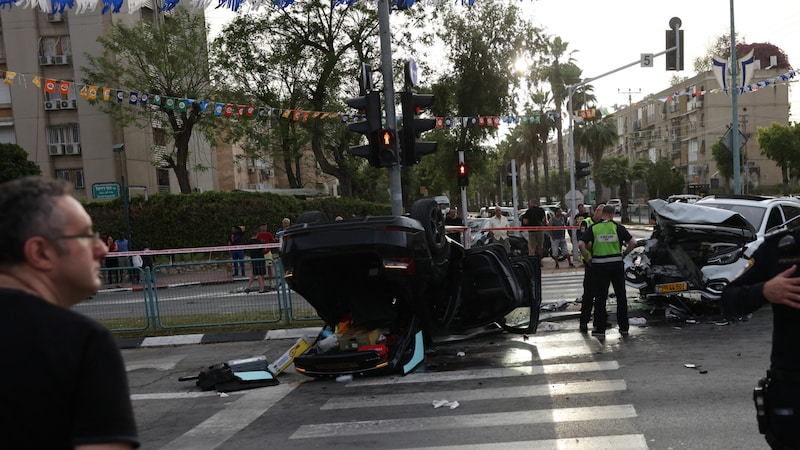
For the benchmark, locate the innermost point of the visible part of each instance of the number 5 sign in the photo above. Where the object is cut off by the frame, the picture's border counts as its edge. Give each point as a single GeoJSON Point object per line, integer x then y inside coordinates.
{"type": "Point", "coordinates": [646, 60]}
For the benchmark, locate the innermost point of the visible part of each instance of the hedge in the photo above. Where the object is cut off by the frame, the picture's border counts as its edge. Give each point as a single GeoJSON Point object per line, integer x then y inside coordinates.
{"type": "Point", "coordinates": [205, 219]}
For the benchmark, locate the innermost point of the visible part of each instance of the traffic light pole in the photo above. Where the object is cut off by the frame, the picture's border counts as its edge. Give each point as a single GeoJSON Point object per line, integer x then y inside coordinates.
{"type": "Point", "coordinates": [464, 213]}
{"type": "Point", "coordinates": [570, 91]}
{"type": "Point", "coordinates": [395, 182]}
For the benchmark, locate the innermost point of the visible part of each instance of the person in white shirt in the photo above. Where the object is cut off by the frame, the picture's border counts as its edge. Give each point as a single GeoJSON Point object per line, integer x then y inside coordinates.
{"type": "Point", "coordinates": [500, 236]}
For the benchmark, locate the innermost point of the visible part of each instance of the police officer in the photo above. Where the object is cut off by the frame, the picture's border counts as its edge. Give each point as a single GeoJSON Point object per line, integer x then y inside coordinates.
{"type": "Point", "coordinates": [772, 276]}
{"type": "Point", "coordinates": [604, 239]}
{"type": "Point", "coordinates": [587, 299]}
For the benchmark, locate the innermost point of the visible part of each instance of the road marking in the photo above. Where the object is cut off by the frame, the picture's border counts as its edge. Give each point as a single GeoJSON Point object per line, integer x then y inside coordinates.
{"type": "Point", "coordinates": [618, 442]}
{"type": "Point", "coordinates": [178, 395]}
{"type": "Point", "coordinates": [541, 390]}
{"type": "Point", "coordinates": [164, 363]}
{"type": "Point", "coordinates": [450, 422]}
{"type": "Point", "coordinates": [217, 429]}
{"type": "Point", "coordinates": [488, 373]}
{"type": "Point", "coordinates": [158, 341]}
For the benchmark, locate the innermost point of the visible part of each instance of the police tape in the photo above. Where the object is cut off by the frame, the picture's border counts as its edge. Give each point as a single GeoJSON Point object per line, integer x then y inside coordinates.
{"type": "Point", "coordinates": [542, 228]}
{"type": "Point", "coordinates": [176, 251]}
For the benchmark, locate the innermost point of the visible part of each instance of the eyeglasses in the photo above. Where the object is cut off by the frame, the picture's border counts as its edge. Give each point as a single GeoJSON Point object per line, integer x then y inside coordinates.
{"type": "Point", "coordinates": [94, 236]}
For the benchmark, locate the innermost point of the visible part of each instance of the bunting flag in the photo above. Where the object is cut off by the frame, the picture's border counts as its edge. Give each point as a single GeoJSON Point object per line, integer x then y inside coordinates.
{"type": "Point", "coordinates": [85, 92]}
{"type": "Point", "coordinates": [50, 86]}
{"type": "Point", "coordinates": [107, 94]}
{"type": "Point", "coordinates": [64, 87]}
{"type": "Point", "coordinates": [133, 98]}
{"type": "Point", "coordinates": [37, 81]}
{"type": "Point", "coordinates": [9, 80]}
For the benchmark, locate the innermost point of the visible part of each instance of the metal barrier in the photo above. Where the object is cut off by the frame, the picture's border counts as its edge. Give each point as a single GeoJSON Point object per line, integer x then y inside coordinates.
{"type": "Point", "coordinates": [192, 295]}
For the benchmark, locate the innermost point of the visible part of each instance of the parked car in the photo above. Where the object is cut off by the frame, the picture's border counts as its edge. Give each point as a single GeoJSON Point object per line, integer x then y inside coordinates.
{"type": "Point", "coordinates": [697, 249]}
{"type": "Point", "coordinates": [683, 198]}
{"type": "Point", "coordinates": [385, 285]}
{"type": "Point", "coordinates": [616, 203]}
{"type": "Point", "coordinates": [479, 236]}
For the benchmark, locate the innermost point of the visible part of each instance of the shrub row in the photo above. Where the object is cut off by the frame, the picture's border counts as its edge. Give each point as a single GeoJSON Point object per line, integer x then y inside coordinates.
{"type": "Point", "coordinates": [205, 219]}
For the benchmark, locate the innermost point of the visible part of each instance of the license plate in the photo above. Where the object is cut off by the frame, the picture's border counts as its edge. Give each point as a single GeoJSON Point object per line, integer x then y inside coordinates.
{"type": "Point", "coordinates": [672, 287]}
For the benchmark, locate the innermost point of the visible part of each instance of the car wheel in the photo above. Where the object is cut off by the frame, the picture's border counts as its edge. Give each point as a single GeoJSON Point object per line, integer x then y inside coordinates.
{"type": "Point", "coordinates": [427, 212]}
{"type": "Point", "coordinates": [311, 217]}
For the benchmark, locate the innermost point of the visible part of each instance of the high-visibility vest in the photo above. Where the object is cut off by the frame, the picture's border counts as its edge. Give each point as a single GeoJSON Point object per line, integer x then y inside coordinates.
{"type": "Point", "coordinates": [588, 222]}
{"type": "Point", "coordinates": [605, 244]}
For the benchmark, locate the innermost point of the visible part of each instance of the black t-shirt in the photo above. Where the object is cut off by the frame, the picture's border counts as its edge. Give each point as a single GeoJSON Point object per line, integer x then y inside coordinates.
{"type": "Point", "coordinates": [535, 217]}
{"type": "Point", "coordinates": [255, 253]}
{"type": "Point", "coordinates": [63, 379]}
{"type": "Point", "coordinates": [745, 295]}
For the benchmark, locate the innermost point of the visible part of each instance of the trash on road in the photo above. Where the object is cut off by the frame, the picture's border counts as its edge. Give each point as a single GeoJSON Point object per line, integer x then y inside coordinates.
{"type": "Point", "coordinates": [551, 326]}
{"type": "Point", "coordinates": [461, 354]}
{"type": "Point", "coordinates": [638, 321]}
{"type": "Point", "coordinates": [449, 404]}
{"type": "Point", "coordinates": [286, 359]}
{"type": "Point", "coordinates": [344, 378]}
{"type": "Point", "coordinates": [557, 305]}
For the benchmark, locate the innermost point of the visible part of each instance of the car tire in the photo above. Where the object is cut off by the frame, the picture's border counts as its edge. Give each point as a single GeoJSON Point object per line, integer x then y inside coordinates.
{"type": "Point", "coordinates": [427, 212]}
{"type": "Point", "coordinates": [311, 217]}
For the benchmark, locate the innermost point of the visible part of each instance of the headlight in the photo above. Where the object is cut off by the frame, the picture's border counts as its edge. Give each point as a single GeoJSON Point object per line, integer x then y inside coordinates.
{"type": "Point", "coordinates": [716, 286]}
{"type": "Point", "coordinates": [726, 257]}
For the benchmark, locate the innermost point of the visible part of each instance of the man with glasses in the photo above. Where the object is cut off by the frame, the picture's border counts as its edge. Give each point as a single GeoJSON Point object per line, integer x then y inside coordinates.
{"type": "Point", "coordinates": [64, 382]}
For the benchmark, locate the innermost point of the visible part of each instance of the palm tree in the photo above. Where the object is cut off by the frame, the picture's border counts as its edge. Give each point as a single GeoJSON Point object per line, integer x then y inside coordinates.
{"type": "Point", "coordinates": [559, 74]}
{"type": "Point", "coordinates": [539, 132]}
{"type": "Point", "coordinates": [596, 135]}
{"type": "Point", "coordinates": [616, 170]}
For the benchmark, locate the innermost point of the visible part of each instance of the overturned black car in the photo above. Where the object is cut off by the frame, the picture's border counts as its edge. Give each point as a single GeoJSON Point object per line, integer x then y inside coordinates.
{"type": "Point", "coordinates": [386, 285]}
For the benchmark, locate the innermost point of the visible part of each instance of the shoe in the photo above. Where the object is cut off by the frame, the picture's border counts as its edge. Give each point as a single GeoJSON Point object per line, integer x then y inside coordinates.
{"type": "Point", "coordinates": [572, 265]}
{"type": "Point", "coordinates": [598, 333]}
{"type": "Point", "coordinates": [583, 328]}
{"type": "Point", "coordinates": [261, 292]}
{"type": "Point", "coordinates": [623, 333]}
{"type": "Point", "coordinates": [247, 290]}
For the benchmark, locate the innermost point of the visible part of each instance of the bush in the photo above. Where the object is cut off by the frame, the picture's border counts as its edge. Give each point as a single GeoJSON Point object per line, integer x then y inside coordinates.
{"type": "Point", "coordinates": [205, 219]}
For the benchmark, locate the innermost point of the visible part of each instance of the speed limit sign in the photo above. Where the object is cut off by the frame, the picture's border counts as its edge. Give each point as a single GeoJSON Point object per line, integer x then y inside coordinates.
{"type": "Point", "coordinates": [646, 60]}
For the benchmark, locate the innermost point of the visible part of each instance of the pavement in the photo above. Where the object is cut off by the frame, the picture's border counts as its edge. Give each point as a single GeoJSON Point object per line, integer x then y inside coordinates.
{"type": "Point", "coordinates": [212, 276]}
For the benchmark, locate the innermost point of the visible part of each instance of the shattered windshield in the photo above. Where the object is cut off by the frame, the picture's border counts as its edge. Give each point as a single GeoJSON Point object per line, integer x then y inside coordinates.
{"type": "Point", "coordinates": [753, 214]}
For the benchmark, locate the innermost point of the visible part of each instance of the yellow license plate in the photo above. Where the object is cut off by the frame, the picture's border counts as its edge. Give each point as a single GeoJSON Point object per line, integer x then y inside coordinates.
{"type": "Point", "coordinates": [672, 287]}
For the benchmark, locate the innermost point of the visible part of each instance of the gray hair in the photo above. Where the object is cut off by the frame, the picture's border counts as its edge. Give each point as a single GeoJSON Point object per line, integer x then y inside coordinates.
{"type": "Point", "coordinates": [28, 208]}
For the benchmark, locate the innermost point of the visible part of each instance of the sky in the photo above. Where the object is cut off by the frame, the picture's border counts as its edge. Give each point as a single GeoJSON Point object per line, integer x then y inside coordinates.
{"type": "Point", "coordinates": [610, 34]}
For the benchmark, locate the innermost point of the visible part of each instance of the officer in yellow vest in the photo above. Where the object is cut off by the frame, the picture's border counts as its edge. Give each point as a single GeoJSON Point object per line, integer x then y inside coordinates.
{"type": "Point", "coordinates": [604, 240]}
{"type": "Point", "coordinates": [587, 299]}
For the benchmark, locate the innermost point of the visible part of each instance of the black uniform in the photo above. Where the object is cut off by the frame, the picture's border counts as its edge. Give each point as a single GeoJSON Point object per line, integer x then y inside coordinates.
{"type": "Point", "coordinates": [778, 252]}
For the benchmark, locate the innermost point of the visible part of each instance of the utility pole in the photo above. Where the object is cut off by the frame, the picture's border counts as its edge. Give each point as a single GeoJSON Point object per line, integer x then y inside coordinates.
{"type": "Point", "coordinates": [737, 186]}
{"type": "Point", "coordinates": [395, 182]}
{"type": "Point", "coordinates": [632, 114]}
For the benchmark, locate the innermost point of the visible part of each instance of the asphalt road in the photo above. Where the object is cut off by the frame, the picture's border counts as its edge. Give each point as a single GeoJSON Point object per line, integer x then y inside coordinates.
{"type": "Point", "coordinates": [556, 389]}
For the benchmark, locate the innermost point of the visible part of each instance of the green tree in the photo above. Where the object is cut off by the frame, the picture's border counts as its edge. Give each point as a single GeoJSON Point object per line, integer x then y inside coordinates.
{"type": "Point", "coordinates": [166, 58]}
{"type": "Point", "coordinates": [616, 171]}
{"type": "Point", "coordinates": [723, 158]}
{"type": "Point", "coordinates": [596, 136]}
{"type": "Point", "coordinates": [14, 163]}
{"type": "Point", "coordinates": [780, 143]}
{"type": "Point", "coordinates": [306, 57]}
{"type": "Point", "coordinates": [483, 42]}
{"type": "Point", "coordinates": [659, 177]}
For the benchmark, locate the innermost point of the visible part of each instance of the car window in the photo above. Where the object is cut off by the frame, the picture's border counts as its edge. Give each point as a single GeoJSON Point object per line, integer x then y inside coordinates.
{"type": "Point", "coordinates": [790, 212]}
{"type": "Point", "coordinates": [753, 214]}
{"type": "Point", "coordinates": [775, 219]}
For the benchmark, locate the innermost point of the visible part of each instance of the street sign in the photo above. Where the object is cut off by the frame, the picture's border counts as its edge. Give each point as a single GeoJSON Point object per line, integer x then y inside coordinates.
{"type": "Point", "coordinates": [646, 60]}
{"type": "Point", "coordinates": [727, 140]}
{"type": "Point", "coordinates": [102, 191]}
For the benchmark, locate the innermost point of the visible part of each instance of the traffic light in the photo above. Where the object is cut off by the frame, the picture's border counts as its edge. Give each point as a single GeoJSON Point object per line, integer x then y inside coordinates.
{"type": "Point", "coordinates": [463, 174]}
{"type": "Point", "coordinates": [386, 146]}
{"type": "Point", "coordinates": [581, 169]}
{"type": "Point", "coordinates": [411, 150]}
{"type": "Point", "coordinates": [675, 57]}
{"type": "Point", "coordinates": [370, 106]}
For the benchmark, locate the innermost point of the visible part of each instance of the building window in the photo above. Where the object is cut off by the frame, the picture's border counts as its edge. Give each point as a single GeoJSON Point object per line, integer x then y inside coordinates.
{"type": "Point", "coordinates": [162, 176]}
{"type": "Point", "coordinates": [62, 175]}
{"type": "Point", "coordinates": [80, 183]}
{"type": "Point", "coordinates": [65, 134]}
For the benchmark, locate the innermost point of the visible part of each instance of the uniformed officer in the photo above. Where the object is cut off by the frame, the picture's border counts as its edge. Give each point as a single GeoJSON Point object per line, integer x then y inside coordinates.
{"type": "Point", "coordinates": [772, 276]}
{"type": "Point", "coordinates": [587, 299]}
{"type": "Point", "coordinates": [605, 239]}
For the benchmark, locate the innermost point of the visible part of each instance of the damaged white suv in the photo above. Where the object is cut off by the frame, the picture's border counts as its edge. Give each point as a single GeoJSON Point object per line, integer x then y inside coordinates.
{"type": "Point", "coordinates": [697, 249]}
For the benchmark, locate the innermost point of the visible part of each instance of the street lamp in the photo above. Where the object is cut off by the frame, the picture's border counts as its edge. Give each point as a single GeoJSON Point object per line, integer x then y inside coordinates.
{"type": "Point", "coordinates": [119, 148]}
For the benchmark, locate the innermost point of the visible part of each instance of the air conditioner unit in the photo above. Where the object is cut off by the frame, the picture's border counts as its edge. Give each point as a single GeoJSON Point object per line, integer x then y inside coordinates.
{"type": "Point", "coordinates": [60, 59]}
{"type": "Point", "coordinates": [251, 170]}
{"type": "Point", "coordinates": [55, 149]}
{"type": "Point", "coordinates": [45, 60]}
{"type": "Point", "coordinates": [55, 17]}
{"type": "Point", "coordinates": [72, 149]}
{"type": "Point", "coordinates": [67, 104]}
{"type": "Point", "coordinates": [698, 103]}
{"type": "Point", "coordinates": [52, 105]}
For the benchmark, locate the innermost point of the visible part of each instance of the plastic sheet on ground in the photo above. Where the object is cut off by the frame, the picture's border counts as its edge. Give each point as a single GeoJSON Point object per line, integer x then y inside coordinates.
{"type": "Point", "coordinates": [439, 403]}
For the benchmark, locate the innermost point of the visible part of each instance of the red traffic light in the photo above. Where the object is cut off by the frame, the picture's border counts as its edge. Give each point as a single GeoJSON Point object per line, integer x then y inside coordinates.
{"type": "Point", "coordinates": [463, 175]}
{"type": "Point", "coordinates": [387, 139]}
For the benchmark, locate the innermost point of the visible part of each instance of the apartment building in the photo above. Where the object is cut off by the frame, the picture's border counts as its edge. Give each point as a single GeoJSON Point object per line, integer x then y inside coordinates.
{"type": "Point", "coordinates": [65, 135]}
{"type": "Point", "coordinates": [683, 122]}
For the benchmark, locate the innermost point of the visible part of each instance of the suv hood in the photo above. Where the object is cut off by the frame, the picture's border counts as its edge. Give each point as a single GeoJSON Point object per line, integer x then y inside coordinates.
{"type": "Point", "coordinates": [703, 219]}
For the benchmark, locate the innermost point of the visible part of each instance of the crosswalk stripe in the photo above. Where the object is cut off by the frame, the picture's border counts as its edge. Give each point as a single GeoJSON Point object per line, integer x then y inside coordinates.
{"type": "Point", "coordinates": [618, 442]}
{"type": "Point", "coordinates": [488, 373]}
{"type": "Point", "coordinates": [449, 422]}
{"type": "Point", "coordinates": [580, 387]}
